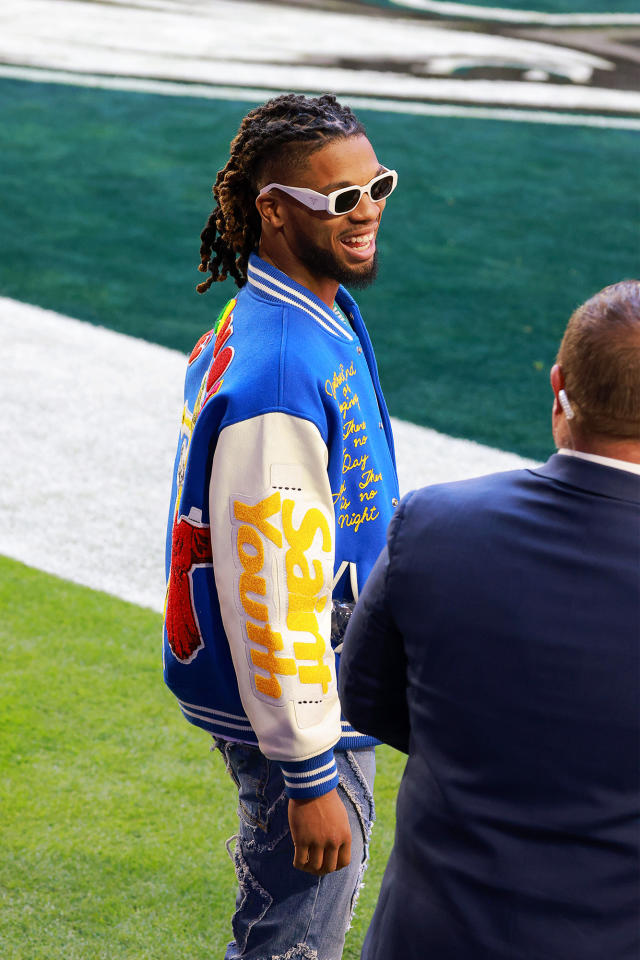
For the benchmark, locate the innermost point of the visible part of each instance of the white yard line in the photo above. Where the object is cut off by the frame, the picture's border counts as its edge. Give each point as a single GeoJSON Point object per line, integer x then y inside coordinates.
{"type": "Point", "coordinates": [495, 113]}
{"type": "Point", "coordinates": [89, 428]}
{"type": "Point", "coordinates": [255, 95]}
{"type": "Point", "coordinates": [248, 44]}
{"type": "Point", "coordinates": [500, 15]}
{"type": "Point", "coordinates": [451, 8]}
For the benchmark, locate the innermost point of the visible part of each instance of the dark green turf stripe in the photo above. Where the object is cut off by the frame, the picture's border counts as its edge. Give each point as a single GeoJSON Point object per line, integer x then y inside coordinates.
{"type": "Point", "coordinates": [496, 232]}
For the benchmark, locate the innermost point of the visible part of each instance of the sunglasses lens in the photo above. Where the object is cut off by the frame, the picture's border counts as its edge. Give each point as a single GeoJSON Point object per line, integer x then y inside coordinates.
{"type": "Point", "coordinates": [348, 200]}
{"type": "Point", "coordinates": [382, 188]}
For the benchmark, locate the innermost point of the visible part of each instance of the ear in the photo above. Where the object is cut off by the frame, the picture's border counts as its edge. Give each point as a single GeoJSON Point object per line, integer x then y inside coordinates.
{"type": "Point", "coordinates": [563, 435]}
{"type": "Point", "coordinates": [271, 210]}
{"type": "Point", "coordinates": [557, 384]}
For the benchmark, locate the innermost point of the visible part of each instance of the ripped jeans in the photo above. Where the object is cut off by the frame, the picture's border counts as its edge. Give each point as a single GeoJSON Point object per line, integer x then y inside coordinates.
{"type": "Point", "coordinates": [283, 913]}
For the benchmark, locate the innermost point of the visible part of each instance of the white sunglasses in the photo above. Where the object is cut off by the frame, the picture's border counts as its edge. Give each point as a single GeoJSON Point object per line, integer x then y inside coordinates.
{"type": "Point", "coordinates": [343, 200]}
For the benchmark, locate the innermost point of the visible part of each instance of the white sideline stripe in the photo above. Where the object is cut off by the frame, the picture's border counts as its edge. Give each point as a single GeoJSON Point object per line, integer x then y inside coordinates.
{"type": "Point", "coordinates": [566, 96]}
{"type": "Point", "coordinates": [521, 16]}
{"type": "Point", "coordinates": [255, 95]}
{"type": "Point", "coordinates": [277, 44]}
{"type": "Point", "coordinates": [89, 431]}
{"type": "Point", "coordinates": [442, 7]}
{"type": "Point", "coordinates": [495, 113]}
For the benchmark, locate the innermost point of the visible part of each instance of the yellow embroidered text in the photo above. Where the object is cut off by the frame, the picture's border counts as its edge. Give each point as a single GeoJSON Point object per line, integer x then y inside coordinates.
{"type": "Point", "coordinates": [251, 555]}
{"type": "Point", "coordinates": [352, 457]}
{"type": "Point", "coordinates": [304, 591]}
{"type": "Point", "coordinates": [305, 587]}
{"type": "Point", "coordinates": [339, 377]}
{"type": "Point", "coordinates": [356, 519]}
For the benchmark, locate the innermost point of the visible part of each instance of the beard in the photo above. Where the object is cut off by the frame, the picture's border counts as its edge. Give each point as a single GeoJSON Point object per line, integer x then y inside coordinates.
{"type": "Point", "coordinates": [324, 263]}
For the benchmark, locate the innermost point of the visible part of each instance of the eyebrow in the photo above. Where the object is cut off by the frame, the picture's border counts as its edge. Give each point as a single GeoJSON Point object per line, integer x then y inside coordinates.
{"type": "Point", "coordinates": [330, 187]}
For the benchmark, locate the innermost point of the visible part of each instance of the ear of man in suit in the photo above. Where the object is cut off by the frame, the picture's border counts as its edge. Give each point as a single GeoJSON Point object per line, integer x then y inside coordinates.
{"type": "Point", "coordinates": [496, 642]}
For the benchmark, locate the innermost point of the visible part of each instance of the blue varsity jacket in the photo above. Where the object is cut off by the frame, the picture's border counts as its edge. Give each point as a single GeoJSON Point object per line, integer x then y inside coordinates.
{"type": "Point", "coordinates": [283, 487]}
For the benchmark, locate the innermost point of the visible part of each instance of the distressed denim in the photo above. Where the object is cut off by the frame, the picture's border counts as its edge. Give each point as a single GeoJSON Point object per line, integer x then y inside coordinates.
{"type": "Point", "coordinates": [283, 913]}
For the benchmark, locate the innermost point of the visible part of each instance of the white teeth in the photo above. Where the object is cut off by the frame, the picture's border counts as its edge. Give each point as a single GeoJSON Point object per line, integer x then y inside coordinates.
{"type": "Point", "coordinates": [363, 241]}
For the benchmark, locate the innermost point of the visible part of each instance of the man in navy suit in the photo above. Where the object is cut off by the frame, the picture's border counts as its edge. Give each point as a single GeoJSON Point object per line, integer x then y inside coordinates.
{"type": "Point", "coordinates": [496, 642]}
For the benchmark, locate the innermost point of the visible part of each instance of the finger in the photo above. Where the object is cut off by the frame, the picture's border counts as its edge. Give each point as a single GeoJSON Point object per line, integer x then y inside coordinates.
{"type": "Point", "coordinates": [330, 861]}
{"type": "Point", "coordinates": [314, 863]}
{"type": "Point", "coordinates": [344, 855]}
{"type": "Point", "coordinates": [300, 856]}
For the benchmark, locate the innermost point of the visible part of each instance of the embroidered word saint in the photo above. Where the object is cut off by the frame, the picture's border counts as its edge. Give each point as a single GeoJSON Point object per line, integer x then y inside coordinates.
{"type": "Point", "coordinates": [304, 587]}
{"type": "Point", "coordinates": [304, 591]}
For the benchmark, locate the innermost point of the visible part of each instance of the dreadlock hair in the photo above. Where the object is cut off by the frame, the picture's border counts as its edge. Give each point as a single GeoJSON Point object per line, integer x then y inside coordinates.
{"type": "Point", "coordinates": [282, 132]}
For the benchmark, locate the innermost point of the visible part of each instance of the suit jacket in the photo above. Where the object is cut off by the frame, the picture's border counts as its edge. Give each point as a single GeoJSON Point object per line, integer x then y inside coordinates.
{"type": "Point", "coordinates": [496, 642]}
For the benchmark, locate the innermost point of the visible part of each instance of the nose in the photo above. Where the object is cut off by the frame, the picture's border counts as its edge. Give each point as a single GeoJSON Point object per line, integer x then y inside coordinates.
{"type": "Point", "coordinates": [367, 208]}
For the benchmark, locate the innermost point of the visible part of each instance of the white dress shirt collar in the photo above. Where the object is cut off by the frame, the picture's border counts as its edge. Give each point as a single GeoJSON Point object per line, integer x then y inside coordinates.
{"type": "Point", "coordinates": [605, 461]}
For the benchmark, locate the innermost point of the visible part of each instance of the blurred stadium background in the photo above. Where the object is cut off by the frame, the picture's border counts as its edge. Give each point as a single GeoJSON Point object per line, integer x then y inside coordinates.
{"type": "Point", "coordinates": [515, 133]}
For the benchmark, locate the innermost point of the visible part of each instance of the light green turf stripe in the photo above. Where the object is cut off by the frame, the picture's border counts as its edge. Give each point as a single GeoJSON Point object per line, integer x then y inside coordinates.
{"type": "Point", "coordinates": [114, 811]}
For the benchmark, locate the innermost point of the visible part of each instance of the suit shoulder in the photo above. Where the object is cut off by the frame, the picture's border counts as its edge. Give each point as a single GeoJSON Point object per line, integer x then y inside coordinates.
{"type": "Point", "coordinates": [457, 508]}
{"type": "Point", "coordinates": [473, 490]}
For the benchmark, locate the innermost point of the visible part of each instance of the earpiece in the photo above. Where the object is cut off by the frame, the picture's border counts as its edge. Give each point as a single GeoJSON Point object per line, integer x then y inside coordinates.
{"type": "Point", "coordinates": [566, 406]}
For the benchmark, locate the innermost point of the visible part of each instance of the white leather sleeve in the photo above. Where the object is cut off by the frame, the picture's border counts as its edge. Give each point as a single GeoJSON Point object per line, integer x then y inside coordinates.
{"type": "Point", "coordinates": [272, 533]}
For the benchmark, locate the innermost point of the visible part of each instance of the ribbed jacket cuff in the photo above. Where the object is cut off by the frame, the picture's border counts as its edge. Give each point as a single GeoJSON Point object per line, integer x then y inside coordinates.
{"type": "Point", "coordinates": [310, 778]}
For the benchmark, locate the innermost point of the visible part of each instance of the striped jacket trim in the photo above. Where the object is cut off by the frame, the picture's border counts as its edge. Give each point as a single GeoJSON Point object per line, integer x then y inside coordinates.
{"type": "Point", "coordinates": [326, 318]}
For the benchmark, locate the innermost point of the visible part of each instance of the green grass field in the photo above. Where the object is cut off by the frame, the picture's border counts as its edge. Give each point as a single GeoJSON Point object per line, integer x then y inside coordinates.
{"type": "Point", "coordinates": [496, 232]}
{"type": "Point", "coordinates": [114, 811]}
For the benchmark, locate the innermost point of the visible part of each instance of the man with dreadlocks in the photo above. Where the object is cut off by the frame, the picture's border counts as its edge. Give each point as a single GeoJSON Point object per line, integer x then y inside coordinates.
{"type": "Point", "coordinates": [284, 485]}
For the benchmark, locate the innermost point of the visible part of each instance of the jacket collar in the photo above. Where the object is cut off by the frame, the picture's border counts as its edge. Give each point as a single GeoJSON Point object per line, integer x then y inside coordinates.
{"type": "Point", "coordinates": [271, 284]}
{"type": "Point", "coordinates": [592, 477]}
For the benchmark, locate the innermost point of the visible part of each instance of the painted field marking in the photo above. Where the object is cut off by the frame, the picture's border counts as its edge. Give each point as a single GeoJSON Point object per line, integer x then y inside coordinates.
{"type": "Point", "coordinates": [255, 95]}
{"type": "Point", "coordinates": [471, 11]}
{"type": "Point", "coordinates": [288, 47]}
{"type": "Point", "coordinates": [89, 428]}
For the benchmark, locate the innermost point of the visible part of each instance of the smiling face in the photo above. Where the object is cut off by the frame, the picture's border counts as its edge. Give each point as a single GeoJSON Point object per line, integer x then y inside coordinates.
{"type": "Point", "coordinates": [317, 249]}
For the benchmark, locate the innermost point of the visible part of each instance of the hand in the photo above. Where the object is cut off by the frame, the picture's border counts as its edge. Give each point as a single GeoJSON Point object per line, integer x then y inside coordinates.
{"type": "Point", "coordinates": [321, 833]}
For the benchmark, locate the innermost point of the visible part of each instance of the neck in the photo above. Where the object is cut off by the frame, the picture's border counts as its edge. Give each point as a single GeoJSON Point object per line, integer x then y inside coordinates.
{"type": "Point", "coordinates": [324, 287]}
